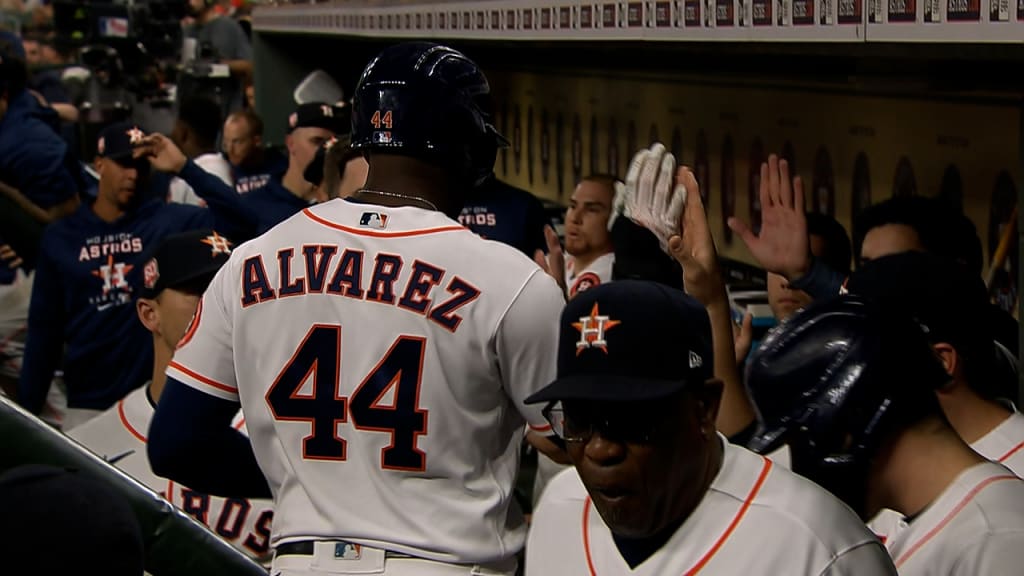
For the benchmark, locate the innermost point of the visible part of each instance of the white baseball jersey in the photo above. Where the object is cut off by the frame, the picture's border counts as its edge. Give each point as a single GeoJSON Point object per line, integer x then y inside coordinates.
{"type": "Point", "coordinates": [118, 435]}
{"type": "Point", "coordinates": [598, 272]}
{"type": "Point", "coordinates": [974, 528]}
{"type": "Point", "coordinates": [381, 356]}
{"type": "Point", "coordinates": [1003, 444]}
{"type": "Point", "coordinates": [756, 518]}
{"type": "Point", "coordinates": [213, 163]}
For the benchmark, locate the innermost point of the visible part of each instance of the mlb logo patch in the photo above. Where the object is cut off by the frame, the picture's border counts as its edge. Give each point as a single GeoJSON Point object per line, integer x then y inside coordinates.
{"type": "Point", "coordinates": [373, 220]}
{"type": "Point", "coordinates": [151, 273]}
{"type": "Point", "coordinates": [382, 137]}
{"type": "Point", "coordinates": [347, 551]}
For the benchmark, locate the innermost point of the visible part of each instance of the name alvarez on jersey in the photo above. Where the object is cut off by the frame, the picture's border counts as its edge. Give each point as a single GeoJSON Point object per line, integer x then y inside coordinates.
{"type": "Point", "coordinates": [318, 269]}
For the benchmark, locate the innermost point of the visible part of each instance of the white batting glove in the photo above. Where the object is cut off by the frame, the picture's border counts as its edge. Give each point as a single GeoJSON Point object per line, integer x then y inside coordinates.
{"type": "Point", "coordinates": [651, 200]}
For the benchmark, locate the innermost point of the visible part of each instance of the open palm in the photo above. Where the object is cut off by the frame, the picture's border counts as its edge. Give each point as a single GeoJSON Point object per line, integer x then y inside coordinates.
{"type": "Point", "coordinates": [781, 246]}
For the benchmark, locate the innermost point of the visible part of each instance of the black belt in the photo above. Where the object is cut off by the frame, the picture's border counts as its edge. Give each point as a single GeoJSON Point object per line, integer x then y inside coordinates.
{"type": "Point", "coordinates": [306, 548]}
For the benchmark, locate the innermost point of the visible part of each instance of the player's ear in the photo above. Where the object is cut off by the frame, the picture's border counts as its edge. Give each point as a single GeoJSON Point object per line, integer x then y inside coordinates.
{"type": "Point", "coordinates": [948, 356]}
{"type": "Point", "coordinates": [148, 314]}
{"type": "Point", "coordinates": [709, 398]}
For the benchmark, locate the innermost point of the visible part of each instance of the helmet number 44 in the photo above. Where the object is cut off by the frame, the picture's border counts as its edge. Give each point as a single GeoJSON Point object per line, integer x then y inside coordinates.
{"type": "Point", "coordinates": [380, 120]}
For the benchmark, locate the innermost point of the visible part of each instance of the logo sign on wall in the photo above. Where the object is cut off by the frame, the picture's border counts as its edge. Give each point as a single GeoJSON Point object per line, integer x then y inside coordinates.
{"type": "Point", "coordinates": [902, 10]}
{"type": "Point", "coordinates": [851, 11]}
{"type": "Point", "coordinates": [700, 166]}
{"type": "Point", "coordinates": [951, 191]}
{"type": "Point", "coordinates": [577, 149]}
{"type": "Point", "coordinates": [595, 153]}
{"type": "Point", "coordinates": [630, 144]}
{"type": "Point", "coordinates": [1000, 230]}
{"type": "Point", "coordinates": [560, 153]}
{"type": "Point", "coordinates": [517, 138]}
{"type": "Point", "coordinates": [789, 155]}
{"type": "Point", "coordinates": [677, 144]}
{"type": "Point", "coordinates": [904, 183]}
{"type": "Point", "coordinates": [529, 144]}
{"type": "Point", "coordinates": [545, 146]}
{"type": "Point", "coordinates": [728, 186]}
{"type": "Point", "coordinates": [613, 147]}
{"type": "Point", "coordinates": [964, 10]}
{"type": "Point", "coordinates": [861, 197]}
{"type": "Point", "coordinates": [824, 185]}
{"type": "Point", "coordinates": [754, 184]}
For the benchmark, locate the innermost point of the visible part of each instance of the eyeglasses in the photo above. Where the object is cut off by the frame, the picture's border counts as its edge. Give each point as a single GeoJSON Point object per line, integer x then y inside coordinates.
{"type": "Point", "coordinates": [639, 424]}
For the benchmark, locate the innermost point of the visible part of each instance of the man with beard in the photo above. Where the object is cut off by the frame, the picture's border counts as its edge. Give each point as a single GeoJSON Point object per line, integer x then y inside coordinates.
{"type": "Point", "coordinates": [89, 271]}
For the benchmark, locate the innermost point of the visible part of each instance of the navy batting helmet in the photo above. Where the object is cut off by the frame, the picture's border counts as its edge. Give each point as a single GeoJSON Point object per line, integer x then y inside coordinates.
{"type": "Point", "coordinates": [431, 102]}
{"type": "Point", "coordinates": [834, 381]}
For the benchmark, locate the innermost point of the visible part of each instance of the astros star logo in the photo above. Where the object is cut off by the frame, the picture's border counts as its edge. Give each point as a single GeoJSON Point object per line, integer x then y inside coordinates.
{"type": "Point", "coordinates": [135, 135]}
{"type": "Point", "coordinates": [592, 329]}
{"type": "Point", "coordinates": [218, 243]}
{"type": "Point", "coordinates": [113, 274]}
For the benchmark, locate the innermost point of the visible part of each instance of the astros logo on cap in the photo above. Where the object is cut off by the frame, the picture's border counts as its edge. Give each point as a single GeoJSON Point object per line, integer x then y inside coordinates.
{"type": "Point", "coordinates": [218, 243]}
{"type": "Point", "coordinates": [592, 329]}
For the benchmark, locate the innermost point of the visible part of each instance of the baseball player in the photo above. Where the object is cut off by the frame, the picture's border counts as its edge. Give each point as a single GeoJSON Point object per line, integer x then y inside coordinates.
{"type": "Point", "coordinates": [851, 386]}
{"type": "Point", "coordinates": [381, 353]}
{"type": "Point", "coordinates": [174, 279]}
{"type": "Point", "coordinates": [252, 163]}
{"type": "Point", "coordinates": [90, 268]}
{"type": "Point", "coordinates": [655, 490]}
{"type": "Point", "coordinates": [588, 241]}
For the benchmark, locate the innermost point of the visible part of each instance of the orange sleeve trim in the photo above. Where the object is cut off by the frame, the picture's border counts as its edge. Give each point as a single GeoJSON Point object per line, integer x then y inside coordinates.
{"type": "Point", "coordinates": [240, 425]}
{"type": "Point", "coordinates": [203, 379]}
{"type": "Point", "coordinates": [127, 425]}
{"type": "Point", "coordinates": [545, 428]}
{"type": "Point", "coordinates": [192, 327]}
{"type": "Point", "coordinates": [375, 234]}
{"type": "Point", "coordinates": [766, 467]}
{"type": "Point", "coordinates": [1012, 451]}
{"type": "Point", "coordinates": [949, 517]}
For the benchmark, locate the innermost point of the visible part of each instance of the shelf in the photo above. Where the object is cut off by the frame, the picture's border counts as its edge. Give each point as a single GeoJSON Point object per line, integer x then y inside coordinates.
{"type": "Point", "coordinates": [820, 21]}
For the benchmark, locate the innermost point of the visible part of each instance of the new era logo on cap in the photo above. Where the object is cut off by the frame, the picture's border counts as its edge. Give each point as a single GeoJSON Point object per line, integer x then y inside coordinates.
{"type": "Point", "coordinates": [695, 360]}
{"type": "Point", "coordinates": [373, 220]}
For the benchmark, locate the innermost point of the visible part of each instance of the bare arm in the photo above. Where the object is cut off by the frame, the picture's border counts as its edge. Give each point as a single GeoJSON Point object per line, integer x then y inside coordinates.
{"type": "Point", "coordinates": [695, 251]}
{"type": "Point", "coordinates": [43, 216]}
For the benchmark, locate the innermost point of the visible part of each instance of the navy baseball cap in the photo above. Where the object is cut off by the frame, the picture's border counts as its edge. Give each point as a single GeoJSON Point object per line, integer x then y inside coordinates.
{"type": "Point", "coordinates": [337, 119]}
{"type": "Point", "coordinates": [630, 340]}
{"type": "Point", "coordinates": [187, 259]}
{"type": "Point", "coordinates": [117, 141]}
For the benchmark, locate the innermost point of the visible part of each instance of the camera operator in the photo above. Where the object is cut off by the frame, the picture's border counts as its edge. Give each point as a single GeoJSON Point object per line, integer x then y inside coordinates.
{"type": "Point", "coordinates": [230, 45]}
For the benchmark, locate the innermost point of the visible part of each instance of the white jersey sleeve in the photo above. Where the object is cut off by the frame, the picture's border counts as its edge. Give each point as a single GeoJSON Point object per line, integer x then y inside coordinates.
{"type": "Point", "coordinates": [864, 558]}
{"type": "Point", "coordinates": [204, 359]}
{"type": "Point", "coordinates": [525, 340]}
{"type": "Point", "coordinates": [992, 554]}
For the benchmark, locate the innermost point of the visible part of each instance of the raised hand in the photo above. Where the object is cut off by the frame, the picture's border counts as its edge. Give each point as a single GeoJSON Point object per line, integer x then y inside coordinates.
{"type": "Point", "coordinates": [163, 154]}
{"type": "Point", "coordinates": [553, 263]}
{"type": "Point", "coordinates": [782, 245]}
{"type": "Point", "coordinates": [694, 249]}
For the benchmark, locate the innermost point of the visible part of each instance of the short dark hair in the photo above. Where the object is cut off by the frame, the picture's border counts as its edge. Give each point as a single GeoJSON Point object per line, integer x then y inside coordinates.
{"type": "Point", "coordinates": [607, 180]}
{"type": "Point", "coordinates": [203, 116]}
{"type": "Point", "coordinates": [251, 118]}
{"type": "Point", "coordinates": [837, 251]}
{"type": "Point", "coordinates": [941, 229]}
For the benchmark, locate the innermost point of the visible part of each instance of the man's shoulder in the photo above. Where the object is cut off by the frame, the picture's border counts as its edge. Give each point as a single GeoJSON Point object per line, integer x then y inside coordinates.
{"type": "Point", "coordinates": [563, 493]}
{"type": "Point", "coordinates": [792, 505]}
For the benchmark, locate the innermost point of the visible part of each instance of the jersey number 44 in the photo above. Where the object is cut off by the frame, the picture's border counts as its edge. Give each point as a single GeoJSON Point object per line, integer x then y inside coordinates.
{"type": "Point", "coordinates": [319, 355]}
